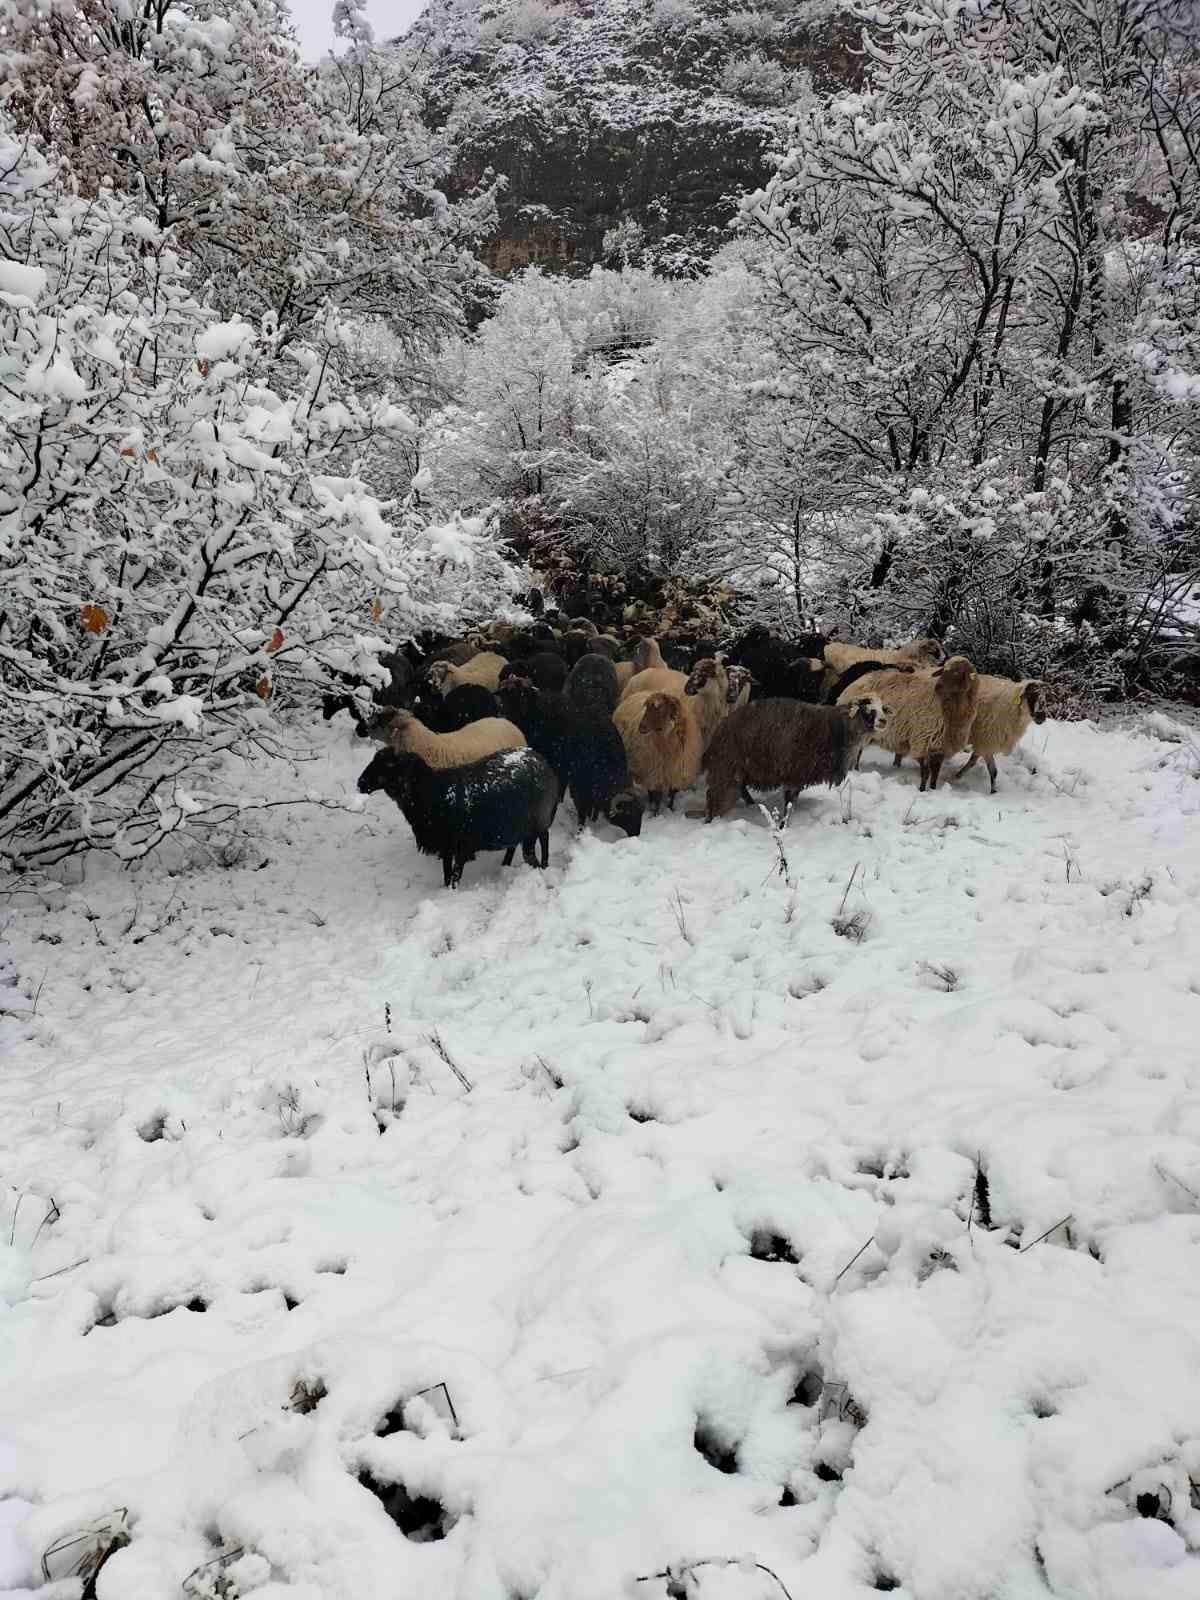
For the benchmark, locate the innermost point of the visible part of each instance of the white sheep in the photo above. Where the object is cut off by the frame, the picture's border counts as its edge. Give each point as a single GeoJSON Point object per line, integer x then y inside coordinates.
{"type": "Point", "coordinates": [929, 713]}
{"type": "Point", "coordinates": [1004, 712]}
{"type": "Point", "coordinates": [407, 734]}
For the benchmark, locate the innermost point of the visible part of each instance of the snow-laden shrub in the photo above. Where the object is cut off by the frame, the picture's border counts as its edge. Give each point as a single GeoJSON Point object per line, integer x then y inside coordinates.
{"type": "Point", "coordinates": [758, 80]}
{"type": "Point", "coordinates": [187, 535]}
{"type": "Point", "coordinates": [675, 16]}
{"type": "Point", "coordinates": [751, 27]}
{"type": "Point", "coordinates": [525, 22]}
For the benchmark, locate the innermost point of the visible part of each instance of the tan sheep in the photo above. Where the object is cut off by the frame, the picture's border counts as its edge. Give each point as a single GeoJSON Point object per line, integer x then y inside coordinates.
{"type": "Point", "coordinates": [662, 743]}
{"type": "Point", "coordinates": [918, 652]}
{"type": "Point", "coordinates": [1004, 713]}
{"type": "Point", "coordinates": [646, 654]}
{"type": "Point", "coordinates": [707, 693]}
{"type": "Point", "coordinates": [930, 713]}
{"type": "Point", "coordinates": [478, 740]}
{"type": "Point", "coordinates": [483, 669]}
{"type": "Point", "coordinates": [656, 680]}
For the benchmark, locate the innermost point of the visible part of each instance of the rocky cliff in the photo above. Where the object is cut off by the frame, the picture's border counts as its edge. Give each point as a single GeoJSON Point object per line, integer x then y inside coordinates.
{"type": "Point", "coordinates": [635, 121]}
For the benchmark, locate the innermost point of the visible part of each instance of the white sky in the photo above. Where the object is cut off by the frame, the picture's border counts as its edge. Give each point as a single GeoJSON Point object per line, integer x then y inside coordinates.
{"type": "Point", "coordinates": [315, 26]}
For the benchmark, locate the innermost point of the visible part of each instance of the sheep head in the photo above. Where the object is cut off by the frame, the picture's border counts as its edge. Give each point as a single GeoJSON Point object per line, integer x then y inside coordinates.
{"type": "Point", "coordinates": [710, 670]}
{"type": "Point", "coordinates": [1032, 691]}
{"type": "Point", "coordinates": [517, 695]}
{"type": "Point", "coordinates": [625, 812]}
{"type": "Point", "coordinates": [380, 724]}
{"type": "Point", "coordinates": [741, 679]}
{"type": "Point", "coordinates": [387, 771]}
{"type": "Point", "coordinates": [438, 674]}
{"type": "Point", "coordinates": [929, 650]}
{"type": "Point", "coordinates": [955, 678]}
{"type": "Point", "coordinates": [871, 712]}
{"type": "Point", "coordinates": [661, 712]}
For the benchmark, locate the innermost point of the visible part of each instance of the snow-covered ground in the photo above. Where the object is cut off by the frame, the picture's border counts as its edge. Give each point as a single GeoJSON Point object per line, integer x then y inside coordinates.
{"type": "Point", "coordinates": [627, 1215]}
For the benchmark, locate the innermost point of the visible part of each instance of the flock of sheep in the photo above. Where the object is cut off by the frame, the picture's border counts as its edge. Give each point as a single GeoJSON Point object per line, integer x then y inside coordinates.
{"type": "Point", "coordinates": [483, 737]}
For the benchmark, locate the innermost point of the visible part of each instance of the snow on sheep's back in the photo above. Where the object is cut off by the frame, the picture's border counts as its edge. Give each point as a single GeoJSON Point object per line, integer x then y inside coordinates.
{"type": "Point", "coordinates": [362, 1239]}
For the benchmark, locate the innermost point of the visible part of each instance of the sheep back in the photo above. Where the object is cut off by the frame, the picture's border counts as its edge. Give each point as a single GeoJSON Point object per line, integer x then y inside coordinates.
{"type": "Point", "coordinates": [484, 669]}
{"type": "Point", "coordinates": [544, 668]}
{"type": "Point", "coordinates": [406, 733]}
{"type": "Point", "coordinates": [917, 652]}
{"type": "Point", "coordinates": [655, 680]}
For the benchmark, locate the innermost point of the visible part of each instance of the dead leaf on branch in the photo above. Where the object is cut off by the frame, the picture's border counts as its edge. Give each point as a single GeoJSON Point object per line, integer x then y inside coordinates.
{"type": "Point", "coordinates": [94, 618]}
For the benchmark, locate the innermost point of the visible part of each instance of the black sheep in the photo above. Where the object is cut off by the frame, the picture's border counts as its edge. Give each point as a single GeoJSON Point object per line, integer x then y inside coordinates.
{"type": "Point", "coordinates": [455, 812]}
{"type": "Point", "coordinates": [468, 702]}
{"type": "Point", "coordinates": [779, 670]}
{"type": "Point", "coordinates": [546, 669]}
{"type": "Point", "coordinates": [593, 685]}
{"type": "Point", "coordinates": [396, 692]}
{"type": "Point", "coordinates": [583, 747]}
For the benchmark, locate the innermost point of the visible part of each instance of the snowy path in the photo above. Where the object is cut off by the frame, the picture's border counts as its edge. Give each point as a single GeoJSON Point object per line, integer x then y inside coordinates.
{"type": "Point", "coordinates": [637, 1287]}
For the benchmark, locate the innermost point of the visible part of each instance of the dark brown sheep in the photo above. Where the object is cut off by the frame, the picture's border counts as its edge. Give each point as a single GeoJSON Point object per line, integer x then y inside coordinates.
{"type": "Point", "coordinates": [772, 744]}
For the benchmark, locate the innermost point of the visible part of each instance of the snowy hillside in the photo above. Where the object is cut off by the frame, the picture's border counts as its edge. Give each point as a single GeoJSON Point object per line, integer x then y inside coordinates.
{"type": "Point", "coordinates": [637, 1218]}
{"type": "Point", "coordinates": [607, 112]}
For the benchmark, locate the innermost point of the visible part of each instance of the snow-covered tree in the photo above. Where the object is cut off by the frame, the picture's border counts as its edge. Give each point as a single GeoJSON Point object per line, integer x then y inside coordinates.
{"type": "Point", "coordinates": [285, 188]}
{"type": "Point", "coordinates": [187, 537]}
{"type": "Point", "coordinates": [947, 254]}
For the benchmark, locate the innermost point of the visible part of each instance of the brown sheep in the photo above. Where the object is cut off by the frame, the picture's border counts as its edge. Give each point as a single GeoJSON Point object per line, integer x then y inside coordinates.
{"type": "Point", "coordinates": [787, 744]}
{"type": "Point", "coordinates": [1004, 713]}
{"type": "Point", "coordinates": [931, 712]}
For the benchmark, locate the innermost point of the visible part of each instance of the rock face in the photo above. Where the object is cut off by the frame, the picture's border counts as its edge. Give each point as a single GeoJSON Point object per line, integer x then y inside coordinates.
{"type": "Point", "coordinates": [640, 120]}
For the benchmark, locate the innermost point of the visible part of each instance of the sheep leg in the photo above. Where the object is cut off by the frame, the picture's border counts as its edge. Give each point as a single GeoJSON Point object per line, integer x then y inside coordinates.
{"type": "Point", "coordinates": [789, 797]}
{"type": "Point", "coordinates": [527, 853]}
{"type": "Point", "coordinates": [935, 766]}
{"type": "Point", "coordinates": [671, 799]}
{"type": "Point", "coordinates": [544, 847]}
{"type": "Point", "coordinates": [655, 798]}
{"type": "Point", "coordinates": [966, 767]}
{"type": "Point", "coordinates": [448, 870]}
{"type": "Point", "coordinates": [924, 766]}
{"type": "Point", "coordinates": [509, 854]}
{"type": "Point", "coordinates": [747, 797]}
{"type": "Point", "coordinates": [897, 759]}
{"type": "Point", "coordinates": [718, 799]}
{"type": "Point", "coordinates": [991, 766]}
